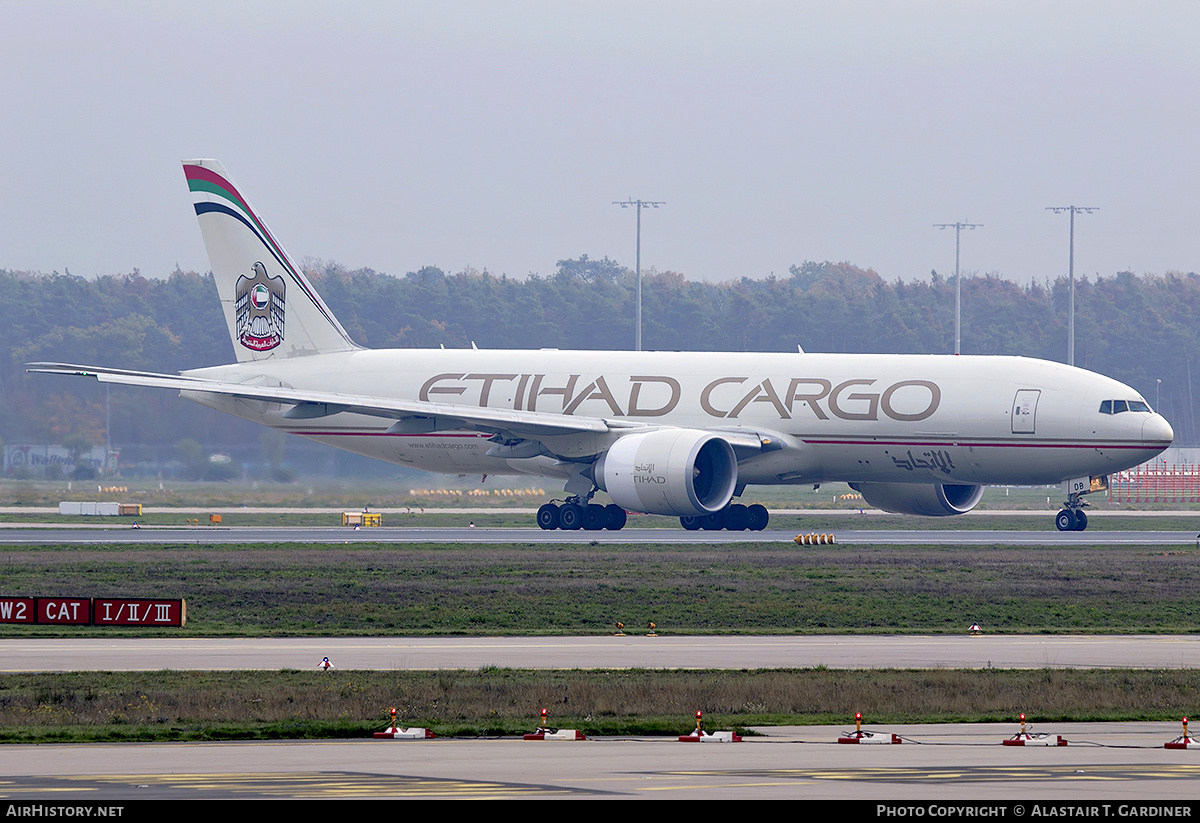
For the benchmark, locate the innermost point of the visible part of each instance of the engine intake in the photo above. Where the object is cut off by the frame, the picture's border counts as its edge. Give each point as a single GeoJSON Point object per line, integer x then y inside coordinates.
{"type": "Point", "coordinates": [936, 500]}
{"type": "Point", "coordinates": [670, 471]}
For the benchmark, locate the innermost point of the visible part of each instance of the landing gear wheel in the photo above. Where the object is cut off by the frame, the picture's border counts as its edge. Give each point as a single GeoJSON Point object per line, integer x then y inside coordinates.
{"type": "Point", "coordinates": [547, 517]}
{"type": "Point", "coordinates": [759, 517]}
{"type": "Point", "coordinates": [690, 522]}
{"type": "Point", "coordinates": [1080, 520]}
{"type": "Point", "coordinates": [713, 522]}
{"type": "Point", "coordinates": [594, 517]}
{"type": "Point", "coordinates": [570, 516]}
{"type": "Point", "coordinates": [1066, 521]}
{"type": "Point", "coordinates": [737, 518]}
{"type": "Point", "coordinates": [615, 517]}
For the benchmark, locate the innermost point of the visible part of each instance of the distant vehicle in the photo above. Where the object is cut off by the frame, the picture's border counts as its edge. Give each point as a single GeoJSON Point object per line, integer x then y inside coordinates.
{"type": "Point", "coordinates": [680, 434]}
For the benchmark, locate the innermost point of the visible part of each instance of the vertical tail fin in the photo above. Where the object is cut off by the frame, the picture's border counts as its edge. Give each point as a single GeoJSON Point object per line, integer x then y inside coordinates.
{"type": "Point", "coordinates": [271, 308]}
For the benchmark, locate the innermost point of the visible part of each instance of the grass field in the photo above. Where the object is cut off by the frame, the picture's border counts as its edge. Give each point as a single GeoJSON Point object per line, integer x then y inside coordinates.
{"type": "Point", "coordinates": [521, 589]}
{"type": "Point", "coordinates": [493, 505]}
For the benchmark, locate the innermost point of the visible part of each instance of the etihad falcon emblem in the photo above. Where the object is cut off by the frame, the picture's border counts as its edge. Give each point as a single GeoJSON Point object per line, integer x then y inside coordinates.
{"type": "Point", "coordinates": [259, 310]}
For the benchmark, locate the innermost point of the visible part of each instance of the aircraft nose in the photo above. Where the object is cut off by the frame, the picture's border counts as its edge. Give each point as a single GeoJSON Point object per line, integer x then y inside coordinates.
{"type": "Point", "coordinates": [1157, 431]}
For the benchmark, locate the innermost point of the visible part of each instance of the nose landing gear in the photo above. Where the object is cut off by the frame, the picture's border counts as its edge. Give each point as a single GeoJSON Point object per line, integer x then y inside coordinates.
{"type": "Point", "coordinates": [1072, 518]}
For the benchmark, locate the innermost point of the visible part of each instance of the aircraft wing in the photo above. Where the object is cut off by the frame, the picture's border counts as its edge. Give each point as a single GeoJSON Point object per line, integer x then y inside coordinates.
{"type": "Point", "coordinates": [411, 416]}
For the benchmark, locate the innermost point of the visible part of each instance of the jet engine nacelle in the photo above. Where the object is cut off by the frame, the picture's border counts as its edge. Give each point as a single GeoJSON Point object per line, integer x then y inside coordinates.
{"type": "Point", "coordinates": [936, 500]}
{"type": "Point", "coordinates": [670, 471]}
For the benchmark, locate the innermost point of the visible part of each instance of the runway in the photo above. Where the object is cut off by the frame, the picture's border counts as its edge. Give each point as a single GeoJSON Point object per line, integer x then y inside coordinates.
{"type": "Point", "coordinates": [82, 535]}
{"type": "Point", "coordinates": [604, 652]}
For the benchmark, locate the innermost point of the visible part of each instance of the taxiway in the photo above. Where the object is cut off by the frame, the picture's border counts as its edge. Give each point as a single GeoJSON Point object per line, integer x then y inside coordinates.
{"type": "Point", "coordinates": [1110, 763]}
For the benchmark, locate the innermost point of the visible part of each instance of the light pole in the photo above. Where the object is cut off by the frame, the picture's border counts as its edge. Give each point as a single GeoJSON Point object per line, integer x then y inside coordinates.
{"type": "Point", "coordinates": [1071, 275]}
{"type": "Point", "coordinates": [640, 205]}
{"type": "Point", "coordinates": [958, 227]}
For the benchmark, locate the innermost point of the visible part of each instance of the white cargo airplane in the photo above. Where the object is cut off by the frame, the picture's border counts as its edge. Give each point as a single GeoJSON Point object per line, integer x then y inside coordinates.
{"type": "Point", "coordinates": [679, 434]}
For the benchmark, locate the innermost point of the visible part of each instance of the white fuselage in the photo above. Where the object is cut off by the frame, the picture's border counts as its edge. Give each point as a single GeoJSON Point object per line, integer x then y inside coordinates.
{"type": "Point", "coordinates": [829, 417]}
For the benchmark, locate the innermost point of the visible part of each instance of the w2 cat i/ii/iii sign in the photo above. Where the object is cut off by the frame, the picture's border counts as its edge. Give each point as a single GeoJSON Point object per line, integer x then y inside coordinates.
{"type": "Point", "coordinates": [93, 611]}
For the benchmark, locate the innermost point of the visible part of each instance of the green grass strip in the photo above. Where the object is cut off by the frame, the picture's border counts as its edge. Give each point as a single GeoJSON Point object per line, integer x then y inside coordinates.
{"type": "Point", "coordinates": [168, 705]}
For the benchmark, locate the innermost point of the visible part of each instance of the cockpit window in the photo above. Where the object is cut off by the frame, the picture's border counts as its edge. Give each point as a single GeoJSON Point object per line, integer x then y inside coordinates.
{"type": "Point", "coordinates": [1118, 406]}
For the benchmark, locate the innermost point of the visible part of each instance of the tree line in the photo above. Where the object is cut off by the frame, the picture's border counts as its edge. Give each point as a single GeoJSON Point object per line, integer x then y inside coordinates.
{"type": "Point", "coordinates": [1139, 329]}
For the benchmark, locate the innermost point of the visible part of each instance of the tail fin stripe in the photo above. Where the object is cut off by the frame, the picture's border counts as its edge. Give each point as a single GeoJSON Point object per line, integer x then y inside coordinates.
{"type": "Point", "coordinates": [204, 180]}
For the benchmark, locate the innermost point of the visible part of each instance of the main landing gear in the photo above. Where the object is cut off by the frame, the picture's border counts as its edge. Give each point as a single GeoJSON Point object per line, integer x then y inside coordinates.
{"type": "Point", "coordinates": [734, 517]}
{"type": "Point", "coordinates": [576, 514]}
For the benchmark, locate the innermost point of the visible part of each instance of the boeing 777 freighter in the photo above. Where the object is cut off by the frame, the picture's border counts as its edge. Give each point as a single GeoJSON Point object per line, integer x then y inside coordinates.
{"type": "Point", "coordinates": [681, 434]}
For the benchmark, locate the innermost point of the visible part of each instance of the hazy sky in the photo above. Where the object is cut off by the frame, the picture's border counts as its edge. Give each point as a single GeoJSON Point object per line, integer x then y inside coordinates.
{"type": "Point", "coordinates": [497, 134]}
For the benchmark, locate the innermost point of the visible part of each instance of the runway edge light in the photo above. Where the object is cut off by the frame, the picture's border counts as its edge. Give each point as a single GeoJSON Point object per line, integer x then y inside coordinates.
{"type": "Point", "coordinates": [701, 736]}
{"type": "Point", "coordinates": [1023, 738]}
{"type": "Point", "coordinates": [859, 736]}
{"type": "Point", "coordinates": [543, 733]}
{"type": "Point", "coordinates": [395, 733]}
{"type": "Point", "coordinates": [1184, 741]}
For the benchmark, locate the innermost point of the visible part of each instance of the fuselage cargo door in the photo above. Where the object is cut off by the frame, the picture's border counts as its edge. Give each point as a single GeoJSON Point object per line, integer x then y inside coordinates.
{"type": "Point", "coordinates": [1024, 413]}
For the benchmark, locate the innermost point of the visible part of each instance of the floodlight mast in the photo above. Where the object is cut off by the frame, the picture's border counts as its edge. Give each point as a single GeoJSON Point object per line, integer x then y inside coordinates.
{"type": "Point", "coordinates": [958, 227]}
{"type": "Point", "coordinates": [1071, 276]}
{"type": "Point", "coordinates": [640, 205]}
